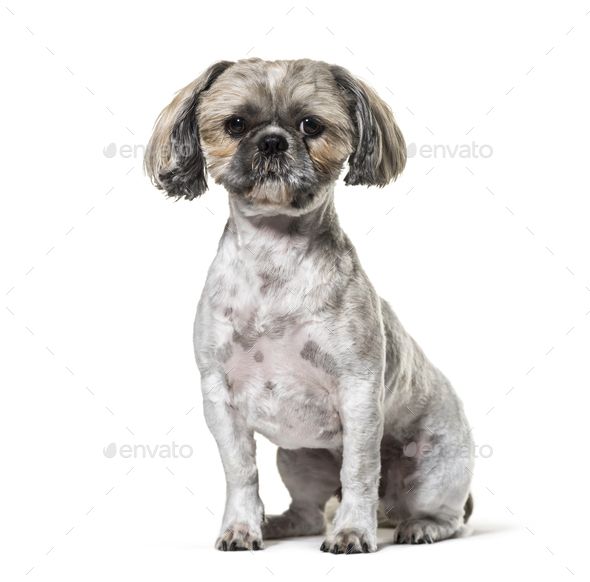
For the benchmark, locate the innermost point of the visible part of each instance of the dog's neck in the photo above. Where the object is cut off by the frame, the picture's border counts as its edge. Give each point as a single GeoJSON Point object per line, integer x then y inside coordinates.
{"type": "Point", "coordinates": [248, 229]}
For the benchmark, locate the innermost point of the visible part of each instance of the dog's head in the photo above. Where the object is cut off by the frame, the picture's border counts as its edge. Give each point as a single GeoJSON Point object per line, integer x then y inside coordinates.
{"type": "Point", "coordinates": [274, 133]}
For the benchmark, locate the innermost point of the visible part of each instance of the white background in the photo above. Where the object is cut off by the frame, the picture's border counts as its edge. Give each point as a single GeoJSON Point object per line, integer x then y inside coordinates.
{"type": "Point", "coordinates": [485, 260]}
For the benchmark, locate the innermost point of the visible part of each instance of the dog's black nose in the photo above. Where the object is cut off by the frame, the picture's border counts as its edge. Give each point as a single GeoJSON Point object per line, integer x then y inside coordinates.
{"type": "Point", "coordinates": [273, 144]}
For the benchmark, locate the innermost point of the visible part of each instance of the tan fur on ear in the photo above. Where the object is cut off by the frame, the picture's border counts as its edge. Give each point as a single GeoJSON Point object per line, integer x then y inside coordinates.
{"type": "Point", "coordinates": [380, 150]}
{"type": "Point", "coordinates": [174, 160]}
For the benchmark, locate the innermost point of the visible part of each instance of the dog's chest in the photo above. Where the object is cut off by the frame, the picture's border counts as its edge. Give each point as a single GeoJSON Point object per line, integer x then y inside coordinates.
{"type": "Point", "coordinates": [279, 369]}
{"type": "Point", "coordinates": [283, 389]}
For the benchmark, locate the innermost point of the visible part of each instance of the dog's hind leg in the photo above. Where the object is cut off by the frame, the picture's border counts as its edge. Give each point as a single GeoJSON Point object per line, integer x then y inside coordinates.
{"type": "Point", "coordinates": [312, 476]}
{"type": "Point", "coordinates": [432, 500]}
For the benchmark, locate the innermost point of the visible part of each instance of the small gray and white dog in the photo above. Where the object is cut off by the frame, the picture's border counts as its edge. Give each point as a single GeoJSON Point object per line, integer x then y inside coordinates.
{"type": "Point", "coordinates": [291, 339]}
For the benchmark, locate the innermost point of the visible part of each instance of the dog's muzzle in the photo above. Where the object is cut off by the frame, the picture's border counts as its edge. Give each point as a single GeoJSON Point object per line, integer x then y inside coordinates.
{"type": "Point", "coordinates": [272, 144]}
{"type": "Point", "coordinates": [272, 156]}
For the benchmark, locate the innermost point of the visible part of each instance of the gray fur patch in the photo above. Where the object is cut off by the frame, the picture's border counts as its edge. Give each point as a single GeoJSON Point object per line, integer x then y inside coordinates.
{"type": "Point", "coordinates": [248, 336]}
{"type": "Point", "coordinates": [317, 357]}
{"type": "Point", "coordinates": [224, 352]}
{"type": "Point", "coordinates": [328, 435]}
{"type": "Point", "coordinates": [251, 332]}
{"type": "Point", "coordinates": [246, 341]}
{"type": "Point", "coordinates": [258, 356]}
{"type": "Point", "coordinates": [271, 279]}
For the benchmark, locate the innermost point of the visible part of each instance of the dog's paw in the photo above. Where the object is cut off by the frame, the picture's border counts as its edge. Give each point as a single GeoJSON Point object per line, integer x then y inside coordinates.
{"type": "Point", "coordinates": [349, 541]}
{"type": "Point", "coordinates": [420, 531]}
{"type": "Point", "coordinates": [239, 537]}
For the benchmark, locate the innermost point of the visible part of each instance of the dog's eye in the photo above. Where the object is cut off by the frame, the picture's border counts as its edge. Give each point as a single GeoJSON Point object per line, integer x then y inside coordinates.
{"type": "Point", "coordinates": [310, 126]}
{"type": "Point", "coordinates": [236, 125]}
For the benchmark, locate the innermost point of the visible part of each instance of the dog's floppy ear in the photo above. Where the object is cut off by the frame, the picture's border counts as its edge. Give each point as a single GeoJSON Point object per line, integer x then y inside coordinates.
{"type": "Point", "coordinates": [173, 159]}
{"type": "Point", "coordinates": [379, 154]}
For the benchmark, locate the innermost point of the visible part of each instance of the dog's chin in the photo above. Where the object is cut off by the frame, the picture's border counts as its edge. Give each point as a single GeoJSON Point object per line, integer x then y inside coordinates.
{"type": "Point", "coordinates": [275, 193]}
{"type": "Point", "coordinates": [269, 190]}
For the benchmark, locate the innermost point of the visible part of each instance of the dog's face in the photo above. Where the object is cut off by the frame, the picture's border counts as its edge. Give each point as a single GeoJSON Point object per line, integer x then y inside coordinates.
{"type": "Point", "coordinates": [274, 133]}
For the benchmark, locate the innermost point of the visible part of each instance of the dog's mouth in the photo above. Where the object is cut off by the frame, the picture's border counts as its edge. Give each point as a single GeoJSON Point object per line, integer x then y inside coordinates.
{"type": "Point", "coordinates": [270, 180]}
{"type": "Point", "coordinates": [282, 179]}
{"type": "Point", "coordinates": [271, 168]}
{"type": "Point", "coordinates": [270, 176]}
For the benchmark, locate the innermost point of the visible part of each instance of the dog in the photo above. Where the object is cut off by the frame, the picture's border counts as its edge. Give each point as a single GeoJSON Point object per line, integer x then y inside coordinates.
{"type": "Point", "coordinates": [291, 339]}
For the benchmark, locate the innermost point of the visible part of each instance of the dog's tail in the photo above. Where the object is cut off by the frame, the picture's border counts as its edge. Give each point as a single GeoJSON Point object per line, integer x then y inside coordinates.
{"type": "Point", "coordinates": [468, 508]}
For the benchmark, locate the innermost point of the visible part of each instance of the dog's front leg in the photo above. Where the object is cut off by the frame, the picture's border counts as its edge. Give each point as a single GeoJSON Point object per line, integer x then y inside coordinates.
{"type": "Point", "coordinates": [244, 512]}
{"type": "Point", "coordinates": [354, 528]}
